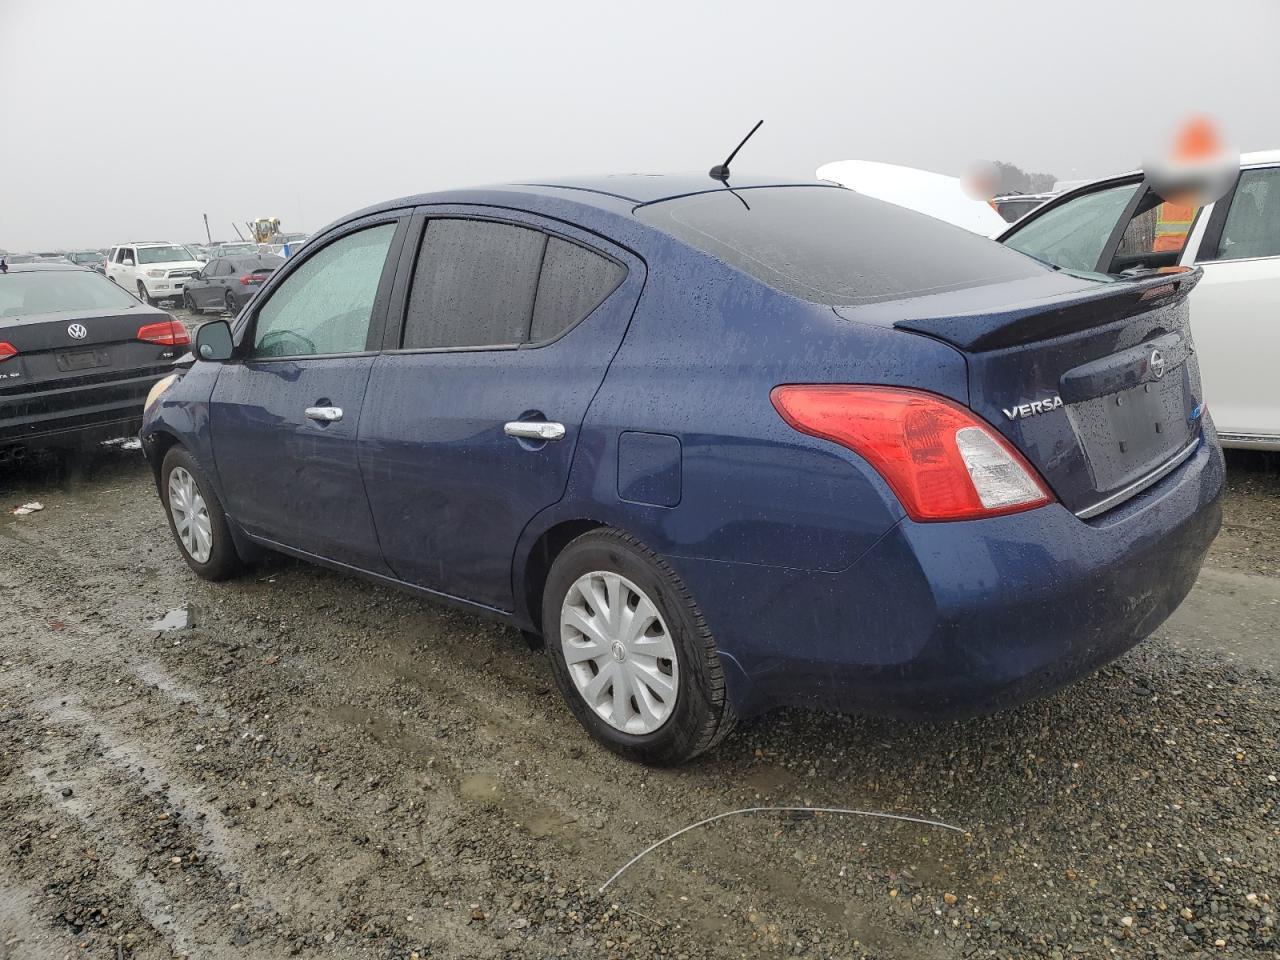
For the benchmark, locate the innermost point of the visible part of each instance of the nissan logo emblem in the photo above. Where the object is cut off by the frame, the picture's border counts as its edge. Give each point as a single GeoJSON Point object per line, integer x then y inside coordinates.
{"type": "Point", "coordinates": [77, 331]}
{"type": "Point", "coordinates": [1156, 362]}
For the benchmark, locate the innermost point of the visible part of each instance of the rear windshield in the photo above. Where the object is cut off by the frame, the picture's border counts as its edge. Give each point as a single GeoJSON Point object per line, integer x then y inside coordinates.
{"type": "Point", "coordinates": [55, 291]}
{"type": "Point", "coordinates": [262, 264]}
{"type": "Point", "coordinates": [834, 246]}
{"type": "Point", "coordinates": [163, 254]}
{"type": "Point", "coordinates": [86, 258]}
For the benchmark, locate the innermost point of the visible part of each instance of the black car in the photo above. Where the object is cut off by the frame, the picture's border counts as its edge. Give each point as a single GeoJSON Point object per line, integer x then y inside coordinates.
{"type": "Point", "coordinates": [228, 283]}
{"type": "Point", "coordinates": [78, 356]}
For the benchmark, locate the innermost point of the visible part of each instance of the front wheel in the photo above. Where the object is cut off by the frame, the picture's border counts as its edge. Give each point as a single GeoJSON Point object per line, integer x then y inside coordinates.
{"type": "Point", "coordinates": [144, 296]}
{"type": "Point", "coordinates": [196, 518]}
{"type": "Point", "coordinates": [631, 652]}
{"type": "Point", "coordinates": [189, 302]}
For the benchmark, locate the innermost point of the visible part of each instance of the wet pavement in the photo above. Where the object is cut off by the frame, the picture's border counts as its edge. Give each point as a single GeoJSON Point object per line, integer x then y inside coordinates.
{"type": "Point", "coordinates": [295, 763]}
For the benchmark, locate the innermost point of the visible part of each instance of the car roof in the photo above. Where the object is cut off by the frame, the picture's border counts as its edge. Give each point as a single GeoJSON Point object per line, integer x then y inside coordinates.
{"type": "Point", "coordinates": [614, 194]}
{"type": "Point", "coordinates": [39, 266]}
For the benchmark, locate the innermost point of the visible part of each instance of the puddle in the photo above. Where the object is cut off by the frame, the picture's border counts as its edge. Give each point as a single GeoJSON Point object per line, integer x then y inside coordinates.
{"type": "Point", "coordinates": [479, 786]}
{"type": "Point", "coordinates": [179, 618]}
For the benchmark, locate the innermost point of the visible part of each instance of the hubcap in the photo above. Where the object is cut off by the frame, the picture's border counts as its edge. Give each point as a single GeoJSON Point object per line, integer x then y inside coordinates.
{"type": "Point", "coordinates": [620, 655]}
{"type": "Point", "coordinates": [190, 515]}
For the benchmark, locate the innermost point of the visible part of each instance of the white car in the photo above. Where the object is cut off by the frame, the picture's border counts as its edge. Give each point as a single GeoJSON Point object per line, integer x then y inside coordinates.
{"type": "Point", "coordinates": [1120, 223]}
{"type": "Point", "coordinates": [924, 191]}
{"type": "Point", "coordinates": [153, 271]}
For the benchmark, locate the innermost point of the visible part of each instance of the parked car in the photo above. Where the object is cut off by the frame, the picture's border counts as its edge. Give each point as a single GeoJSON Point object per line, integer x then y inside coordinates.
{"type": "Point", "coordinates": [228, 283]}
{"type": "Point", "coordinates": [1121, 224]}
{"type": "Point", "coordinates": [1015, 206]}
{"type": "Point", "coordinates": [722, 449]}
{"type": "Point", "coordinates": [247, 248]}
{"type": "Point", "coordinates": [77, 356]}
{"type": "Point", "coordinates": [156, 271]}
{"type": "Point", "coordinates": [92, 259]}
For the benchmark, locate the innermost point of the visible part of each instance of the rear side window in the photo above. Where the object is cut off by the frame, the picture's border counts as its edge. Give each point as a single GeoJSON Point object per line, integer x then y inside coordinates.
{"type": "Point", "coordinates": [834, 246]}
{"type": "Point", "coordinates": [325, 306]}
{"type": "Point", "coordinates": [480, 283]}
{"type": "Point", "coordinates": [574, 282]}
{"type": "Point", "coordinates": [1252, 227]}
{"type": "Point", "coordinates": [474, 284]}
{"type": "Point", "coordinates": [1074, 233]}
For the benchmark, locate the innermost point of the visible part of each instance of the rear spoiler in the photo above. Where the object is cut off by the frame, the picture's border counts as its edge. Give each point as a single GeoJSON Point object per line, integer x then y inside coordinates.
{"type": "Point", "coordinates": [1042, 319]}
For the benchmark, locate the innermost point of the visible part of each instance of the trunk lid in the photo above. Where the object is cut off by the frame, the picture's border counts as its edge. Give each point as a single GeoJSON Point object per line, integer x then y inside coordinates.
{"type": "Point", "coordinates": [1096, 383]}
{"type": "Point", "coordinates": [48, 351]}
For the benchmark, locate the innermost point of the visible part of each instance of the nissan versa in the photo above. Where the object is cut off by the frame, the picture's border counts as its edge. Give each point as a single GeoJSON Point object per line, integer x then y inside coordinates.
{"type": "Point", "coordinates": [722, 447]}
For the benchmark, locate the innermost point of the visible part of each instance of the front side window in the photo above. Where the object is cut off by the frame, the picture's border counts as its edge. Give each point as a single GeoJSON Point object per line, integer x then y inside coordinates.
{"type": "Point", "coordinates": [474, 285]}
{"type": "Point", "coordinates": [1252, 227]}
{"type": "Point", "coordinates": [1073, 234]}
{"type": "Point", "coordinates": [326, 305]}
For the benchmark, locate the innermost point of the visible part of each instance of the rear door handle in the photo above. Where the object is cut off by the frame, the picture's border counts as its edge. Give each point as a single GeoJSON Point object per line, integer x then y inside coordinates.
{"type": "Point", "coordinates": [324, 414]}
{"type": "Point", "coordinates": [534, 430]}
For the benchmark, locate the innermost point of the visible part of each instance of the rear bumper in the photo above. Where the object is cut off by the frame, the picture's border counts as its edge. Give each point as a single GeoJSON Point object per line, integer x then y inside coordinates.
{"type": "Point", "coordinates": [76, 415]}
{"type": "Point", "coordinates": [941, 620]}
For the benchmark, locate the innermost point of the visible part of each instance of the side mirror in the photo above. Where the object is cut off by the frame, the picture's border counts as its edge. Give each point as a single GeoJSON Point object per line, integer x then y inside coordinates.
{"type": "Point", "coordinates": [127, 261]}
{"type": "Point", "coordinates": [213, 341]}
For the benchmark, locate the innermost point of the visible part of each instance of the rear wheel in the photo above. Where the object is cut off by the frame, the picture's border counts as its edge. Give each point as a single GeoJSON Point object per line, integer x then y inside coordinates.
{"type": "Point", "coordinates": [631, 652]}
{"type": "Point", "coordinates": [196, 518]}
{"type": "Point", "coordinates": [229, 304]}
{"type": "Point", "coordinates": [144, 296]}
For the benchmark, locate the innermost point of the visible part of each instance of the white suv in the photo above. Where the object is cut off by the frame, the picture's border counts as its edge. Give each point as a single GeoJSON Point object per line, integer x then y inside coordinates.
{"type": "Point", "coordinates": [154, 271]}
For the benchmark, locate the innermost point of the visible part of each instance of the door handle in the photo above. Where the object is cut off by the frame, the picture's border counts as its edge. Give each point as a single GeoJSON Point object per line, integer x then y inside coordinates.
{"type": "Point", "coordinates": [534, 430]}
{"type": "Point", "coordinates": [324, 414]}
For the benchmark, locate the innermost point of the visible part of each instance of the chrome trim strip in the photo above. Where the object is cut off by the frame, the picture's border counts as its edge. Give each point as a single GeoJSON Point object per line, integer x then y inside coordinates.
{"type": "Point", "coordinates": [1249, 437]}
{"type": "Point", "coordinates": [1156, 475]}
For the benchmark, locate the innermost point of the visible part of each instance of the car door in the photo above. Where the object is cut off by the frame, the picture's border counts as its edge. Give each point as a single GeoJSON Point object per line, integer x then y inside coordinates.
{"type": "Point", "coordinates": [198, 288]}
{"type": "Point", "coordinates": [284, 413]}
{"type": "Point", "coordinates": [1236, 308]}
{"type": "Point", "coordinates": [470, 423]}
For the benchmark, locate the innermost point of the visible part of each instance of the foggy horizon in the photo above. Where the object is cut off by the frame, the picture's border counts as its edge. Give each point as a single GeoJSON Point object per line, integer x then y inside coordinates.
{"type": "Point", "coordinates": [130, 121]}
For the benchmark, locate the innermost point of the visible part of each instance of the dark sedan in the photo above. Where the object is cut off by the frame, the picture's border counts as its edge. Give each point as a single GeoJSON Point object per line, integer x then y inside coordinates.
{"type": "Point", "coordinates": [77, 356]}
{"type": "Point", "coordinates": [228, 283]}
{"type": "Point", "coordinates": [723, 450]}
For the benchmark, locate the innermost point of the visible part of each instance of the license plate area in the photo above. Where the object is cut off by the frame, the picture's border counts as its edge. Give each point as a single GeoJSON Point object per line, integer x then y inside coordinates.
{"type": "Point", "coordinates": [1126, 435]}
{"type": "Point", "coordinates": [71, 360]}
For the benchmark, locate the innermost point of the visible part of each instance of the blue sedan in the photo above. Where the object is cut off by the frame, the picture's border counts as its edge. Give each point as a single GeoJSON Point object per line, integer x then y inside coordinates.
{"type": "Point", "coordinates": [719, 447]}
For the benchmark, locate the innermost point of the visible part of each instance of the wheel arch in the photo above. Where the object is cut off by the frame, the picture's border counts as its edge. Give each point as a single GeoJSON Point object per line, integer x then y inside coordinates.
{"type": "Point", "coordinates": [537, 561]}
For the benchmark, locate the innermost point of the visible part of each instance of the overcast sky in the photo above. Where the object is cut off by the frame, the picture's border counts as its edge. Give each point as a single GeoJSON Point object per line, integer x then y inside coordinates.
{"type": "Point", "coordinates": [128, 120]}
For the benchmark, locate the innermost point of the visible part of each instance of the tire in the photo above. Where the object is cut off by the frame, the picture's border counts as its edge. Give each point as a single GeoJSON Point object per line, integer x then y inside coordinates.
{"type": "Point", "coordinates": [144, 296]}
{"type": "Point", "coordinates": [220, 561]}
{"type": "Point", "coordinates": [648, 728]}
{"type": "Point", "coordinates": [229, 304]}
{"type": "Point", "coordinates": [190, 304]}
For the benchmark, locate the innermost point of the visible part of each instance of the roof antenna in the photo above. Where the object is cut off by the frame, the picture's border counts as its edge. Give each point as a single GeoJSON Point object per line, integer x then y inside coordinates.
{"type": "Point", "coordinates": [721, 171]}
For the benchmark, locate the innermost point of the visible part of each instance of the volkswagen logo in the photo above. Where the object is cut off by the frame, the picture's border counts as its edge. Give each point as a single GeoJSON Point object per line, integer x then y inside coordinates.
{"type": "Point", "coordinates": [1156, 363]}
{"type": "Point", "coordinates": [77, 331]}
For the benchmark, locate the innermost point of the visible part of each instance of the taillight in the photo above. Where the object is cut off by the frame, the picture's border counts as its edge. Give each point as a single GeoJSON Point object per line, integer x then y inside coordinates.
{"type": "Point", "coordinates": [942, 461]}
{"type": "Point", "coordinates": [169, 333]}
{"type": "Point", "coordinates": [249, 278]}
{"type": "Point", "coordinates": [7, 350]}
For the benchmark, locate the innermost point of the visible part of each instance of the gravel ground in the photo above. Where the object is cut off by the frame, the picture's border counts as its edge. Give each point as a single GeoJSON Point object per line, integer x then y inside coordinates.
{"type": "Point", "coordinates": [316, 767]}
